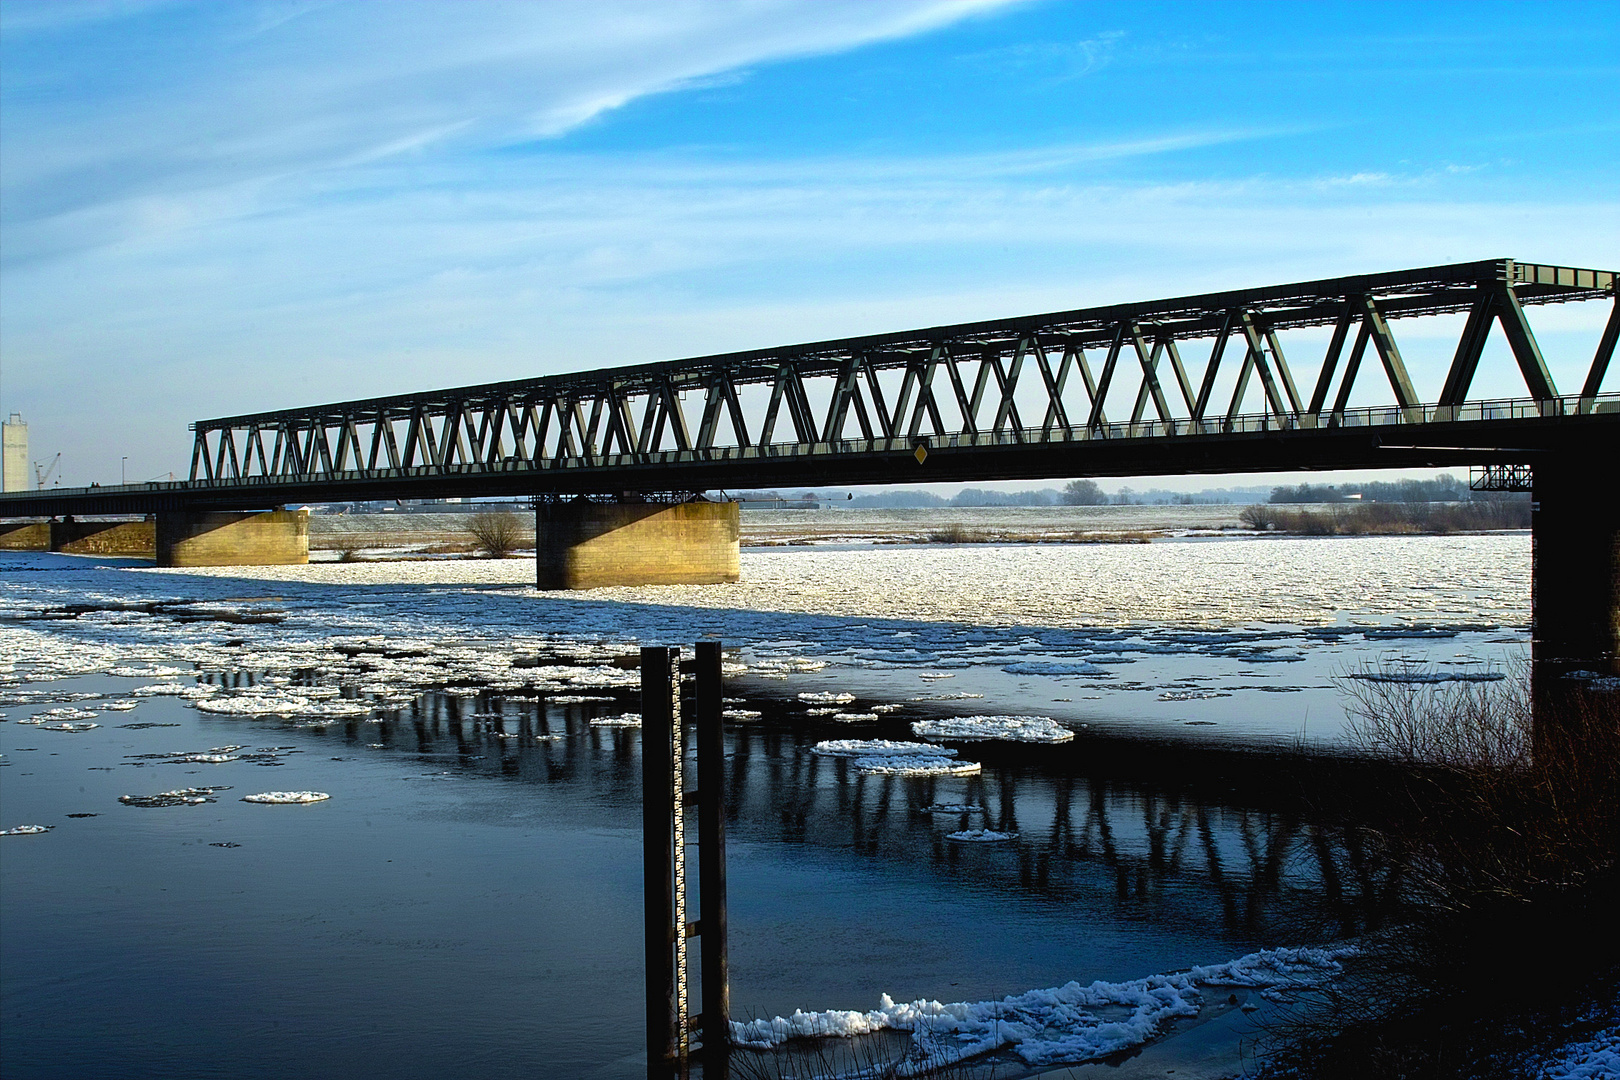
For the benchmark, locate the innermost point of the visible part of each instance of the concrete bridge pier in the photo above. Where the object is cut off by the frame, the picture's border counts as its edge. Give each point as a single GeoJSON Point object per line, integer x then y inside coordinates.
{"type": "Point", "coordinates": [132, 539]}
{"type": "Point", "coordinates": [587, 545]}
{"type": "Point", "coordinates": [1575, 576]}
{"type": "Point", "coordinates": [1575, 613]}
{"type": "Point", "coordinates": [232, 538]}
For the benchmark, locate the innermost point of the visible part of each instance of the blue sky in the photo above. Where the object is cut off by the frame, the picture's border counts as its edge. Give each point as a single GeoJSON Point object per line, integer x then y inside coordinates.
{"type": "Point", "coordinates": [212, 208]}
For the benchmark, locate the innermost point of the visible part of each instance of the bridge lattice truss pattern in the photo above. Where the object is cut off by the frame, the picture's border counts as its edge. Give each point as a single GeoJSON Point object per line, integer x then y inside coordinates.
{"type": "Point", "coordinates": [948, 386]}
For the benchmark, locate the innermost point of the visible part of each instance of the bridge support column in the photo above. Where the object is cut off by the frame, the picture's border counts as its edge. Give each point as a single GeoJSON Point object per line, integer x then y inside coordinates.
{"type": "Point", "coordinates": [25, 536]}
{"type": "Point", "coordinates": [233, 538]}
{"type": "Point", "coordinates": [586, 545]}
{"type": "Point", "coordinates": [136, 539]}
{"type": "Point", "coordinates": [1575, 579]}
{"type": "Point", "coordinates": [1575, 589]}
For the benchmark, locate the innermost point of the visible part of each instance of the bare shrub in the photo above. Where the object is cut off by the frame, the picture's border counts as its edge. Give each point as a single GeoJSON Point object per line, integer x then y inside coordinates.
{"type": "Point", "coordinates": [1258, 517]}
{"type": "Point", "coordinates": [957, 534]}
{"type": "Point", "coordinates": [496, 533]}
{"type": "Point", "coordinates": [1502, 842]}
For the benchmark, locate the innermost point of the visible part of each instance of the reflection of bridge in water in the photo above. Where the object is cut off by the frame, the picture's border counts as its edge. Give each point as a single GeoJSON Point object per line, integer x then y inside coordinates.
{"type": "Point", "coordinates": [1254, 865]}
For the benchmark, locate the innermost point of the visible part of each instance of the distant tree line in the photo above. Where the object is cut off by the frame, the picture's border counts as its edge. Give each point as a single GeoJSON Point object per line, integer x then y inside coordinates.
{"type": "Point", "coordinates": [1442, 488]}
{"type": "Point", "coordinates": [1076, 493]}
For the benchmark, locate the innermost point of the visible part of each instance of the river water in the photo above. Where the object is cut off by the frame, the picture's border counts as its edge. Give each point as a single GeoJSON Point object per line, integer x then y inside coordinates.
{"type": "Point", "coordinates": [468, 898]}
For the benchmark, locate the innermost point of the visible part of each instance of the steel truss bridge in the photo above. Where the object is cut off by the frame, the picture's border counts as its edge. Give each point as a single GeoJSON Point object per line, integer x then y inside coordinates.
{"type": "Point", "coordinates": [1102, 391]}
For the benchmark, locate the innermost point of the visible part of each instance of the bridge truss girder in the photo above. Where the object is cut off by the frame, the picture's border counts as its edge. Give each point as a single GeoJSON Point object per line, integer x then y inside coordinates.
{"type": "Point", "coordinates": [1101, 391]}
{"type": "Point", "coordinates": [949, 384]}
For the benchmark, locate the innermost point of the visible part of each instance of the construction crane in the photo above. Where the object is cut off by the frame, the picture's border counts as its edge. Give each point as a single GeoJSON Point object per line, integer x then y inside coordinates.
{"type": "Point", "coordinates": [43, 474]}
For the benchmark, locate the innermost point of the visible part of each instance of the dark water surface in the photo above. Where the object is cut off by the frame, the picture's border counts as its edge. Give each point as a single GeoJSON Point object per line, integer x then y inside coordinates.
{"type": "Point", "coordinates": [471, 904]}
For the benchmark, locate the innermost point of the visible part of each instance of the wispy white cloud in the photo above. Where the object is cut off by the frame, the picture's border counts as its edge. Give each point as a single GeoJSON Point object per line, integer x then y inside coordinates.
{"type": "Point", "coordinates": [130, 102]}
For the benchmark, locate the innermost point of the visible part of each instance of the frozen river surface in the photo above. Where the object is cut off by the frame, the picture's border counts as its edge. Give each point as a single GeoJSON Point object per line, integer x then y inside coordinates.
{"type": "Point", "coordinates": [468, 898]}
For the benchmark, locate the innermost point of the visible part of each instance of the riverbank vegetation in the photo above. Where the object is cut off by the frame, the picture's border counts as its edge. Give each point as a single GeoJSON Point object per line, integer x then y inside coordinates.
{"type": "Point", "coordinates": [1506, 842]}
{"type": "Point", "coordinates": [1391, 519]}
{"type": "Point", "coordinates": [960, 534]}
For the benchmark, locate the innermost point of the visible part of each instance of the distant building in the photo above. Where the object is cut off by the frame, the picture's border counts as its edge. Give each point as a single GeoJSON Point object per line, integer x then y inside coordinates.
{"type": "Point", "coordinates": [14, 454]}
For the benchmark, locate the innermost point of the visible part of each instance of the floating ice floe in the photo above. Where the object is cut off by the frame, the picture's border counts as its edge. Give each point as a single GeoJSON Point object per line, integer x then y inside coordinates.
{"type": "Point", "coordinates": [63, 714]}
{"type": "Point", "coordinates": [1192, 695]}
{"type": "Point", "coordinates": [740, 714]}
{"type": "Point", "coordinates": [1030, 729]}
{"type": "Point", "coordinates": [146, 671]}
{"type": "Point", "coordinates": [960, 695]}
{"type": "Point", "coordinates": [823, 710]}
{"type": "Point", "coordinates": [192, 796]}
{"type": "Point", "coordinates": [953, 808]}
{"type": "Point", "coordinates": [1063, 1024]}
{"type": "Point", "coordinates": [855, 717]}
{"type": "Point", "coordinates": [885, 709]}
{"type": "Point", "coordinates": [578, 699]}
{"type": "Point", "coordinates": [826, 697]}
{"type": "Point", "coordinates": [981, 836]}
{"type": "Point", "coordinates": [878, 748]}
{"type": "Point", "coordinates": [69, 725]}
{"type": "Point", "coordinates": [1050, 667]}
{"type": "Point", "coordinates": [625, 720]}
{"type": "Point", "coordinates": [795, 665]}
{"type": "Point", "coordinates": [279, 704]}
{"type": "Point", "coordinates": [27, 830]}
{"type": "Point", "coordinates": [936, 674]}
{"type": "Point", "coordinates": [915, 765]}
{"type": "Point", "coordinates": [121, 705]}
{"type": "Point", "coordinates": [286, 798]}
{"type": "Point", "coordinates": [1595, 680]}
{"type": "Point", "coordinates": [164, 689]}
{"type": "Point", "coordinates": [1424, 678]}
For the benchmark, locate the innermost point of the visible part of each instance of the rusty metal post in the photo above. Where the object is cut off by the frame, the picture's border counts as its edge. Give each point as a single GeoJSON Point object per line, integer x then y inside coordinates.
{"type": "Point", "coordinates": [711, 764]}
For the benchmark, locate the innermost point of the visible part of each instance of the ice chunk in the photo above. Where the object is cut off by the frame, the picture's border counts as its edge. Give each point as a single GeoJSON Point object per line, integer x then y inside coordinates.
{"type": "Point", "coordinates": [27, 830]}
{"type": "Point", "coordinates": [1031, 729]}
{"type": "Point", "coordinates": [826, 698]}
{"type": "Point", "coordinates": [1192, 695]}
{"type": "Point", "coordinates": [194, 796]}
{"type": "Point", "coordinates": [740, 714]}
{"type": "Point", "coordinates": [283, 798]}
{"type": "Point", "coordinates": [980, 836]}
{"type": "Point", "coordinates": [915, 765]}
{"type": "Point", "coordinates": [855, 717]}
{"type": "Point", "coordinates": [625, 720]}
{"type": "Point", "coordinates": [69, 725]}
{"type": "Point", "coordinates": [878, 748]}
{"type": "Point", "coordinates": [1418, 678]}
{"type": "Point", "coordinates": [1050, 667]}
